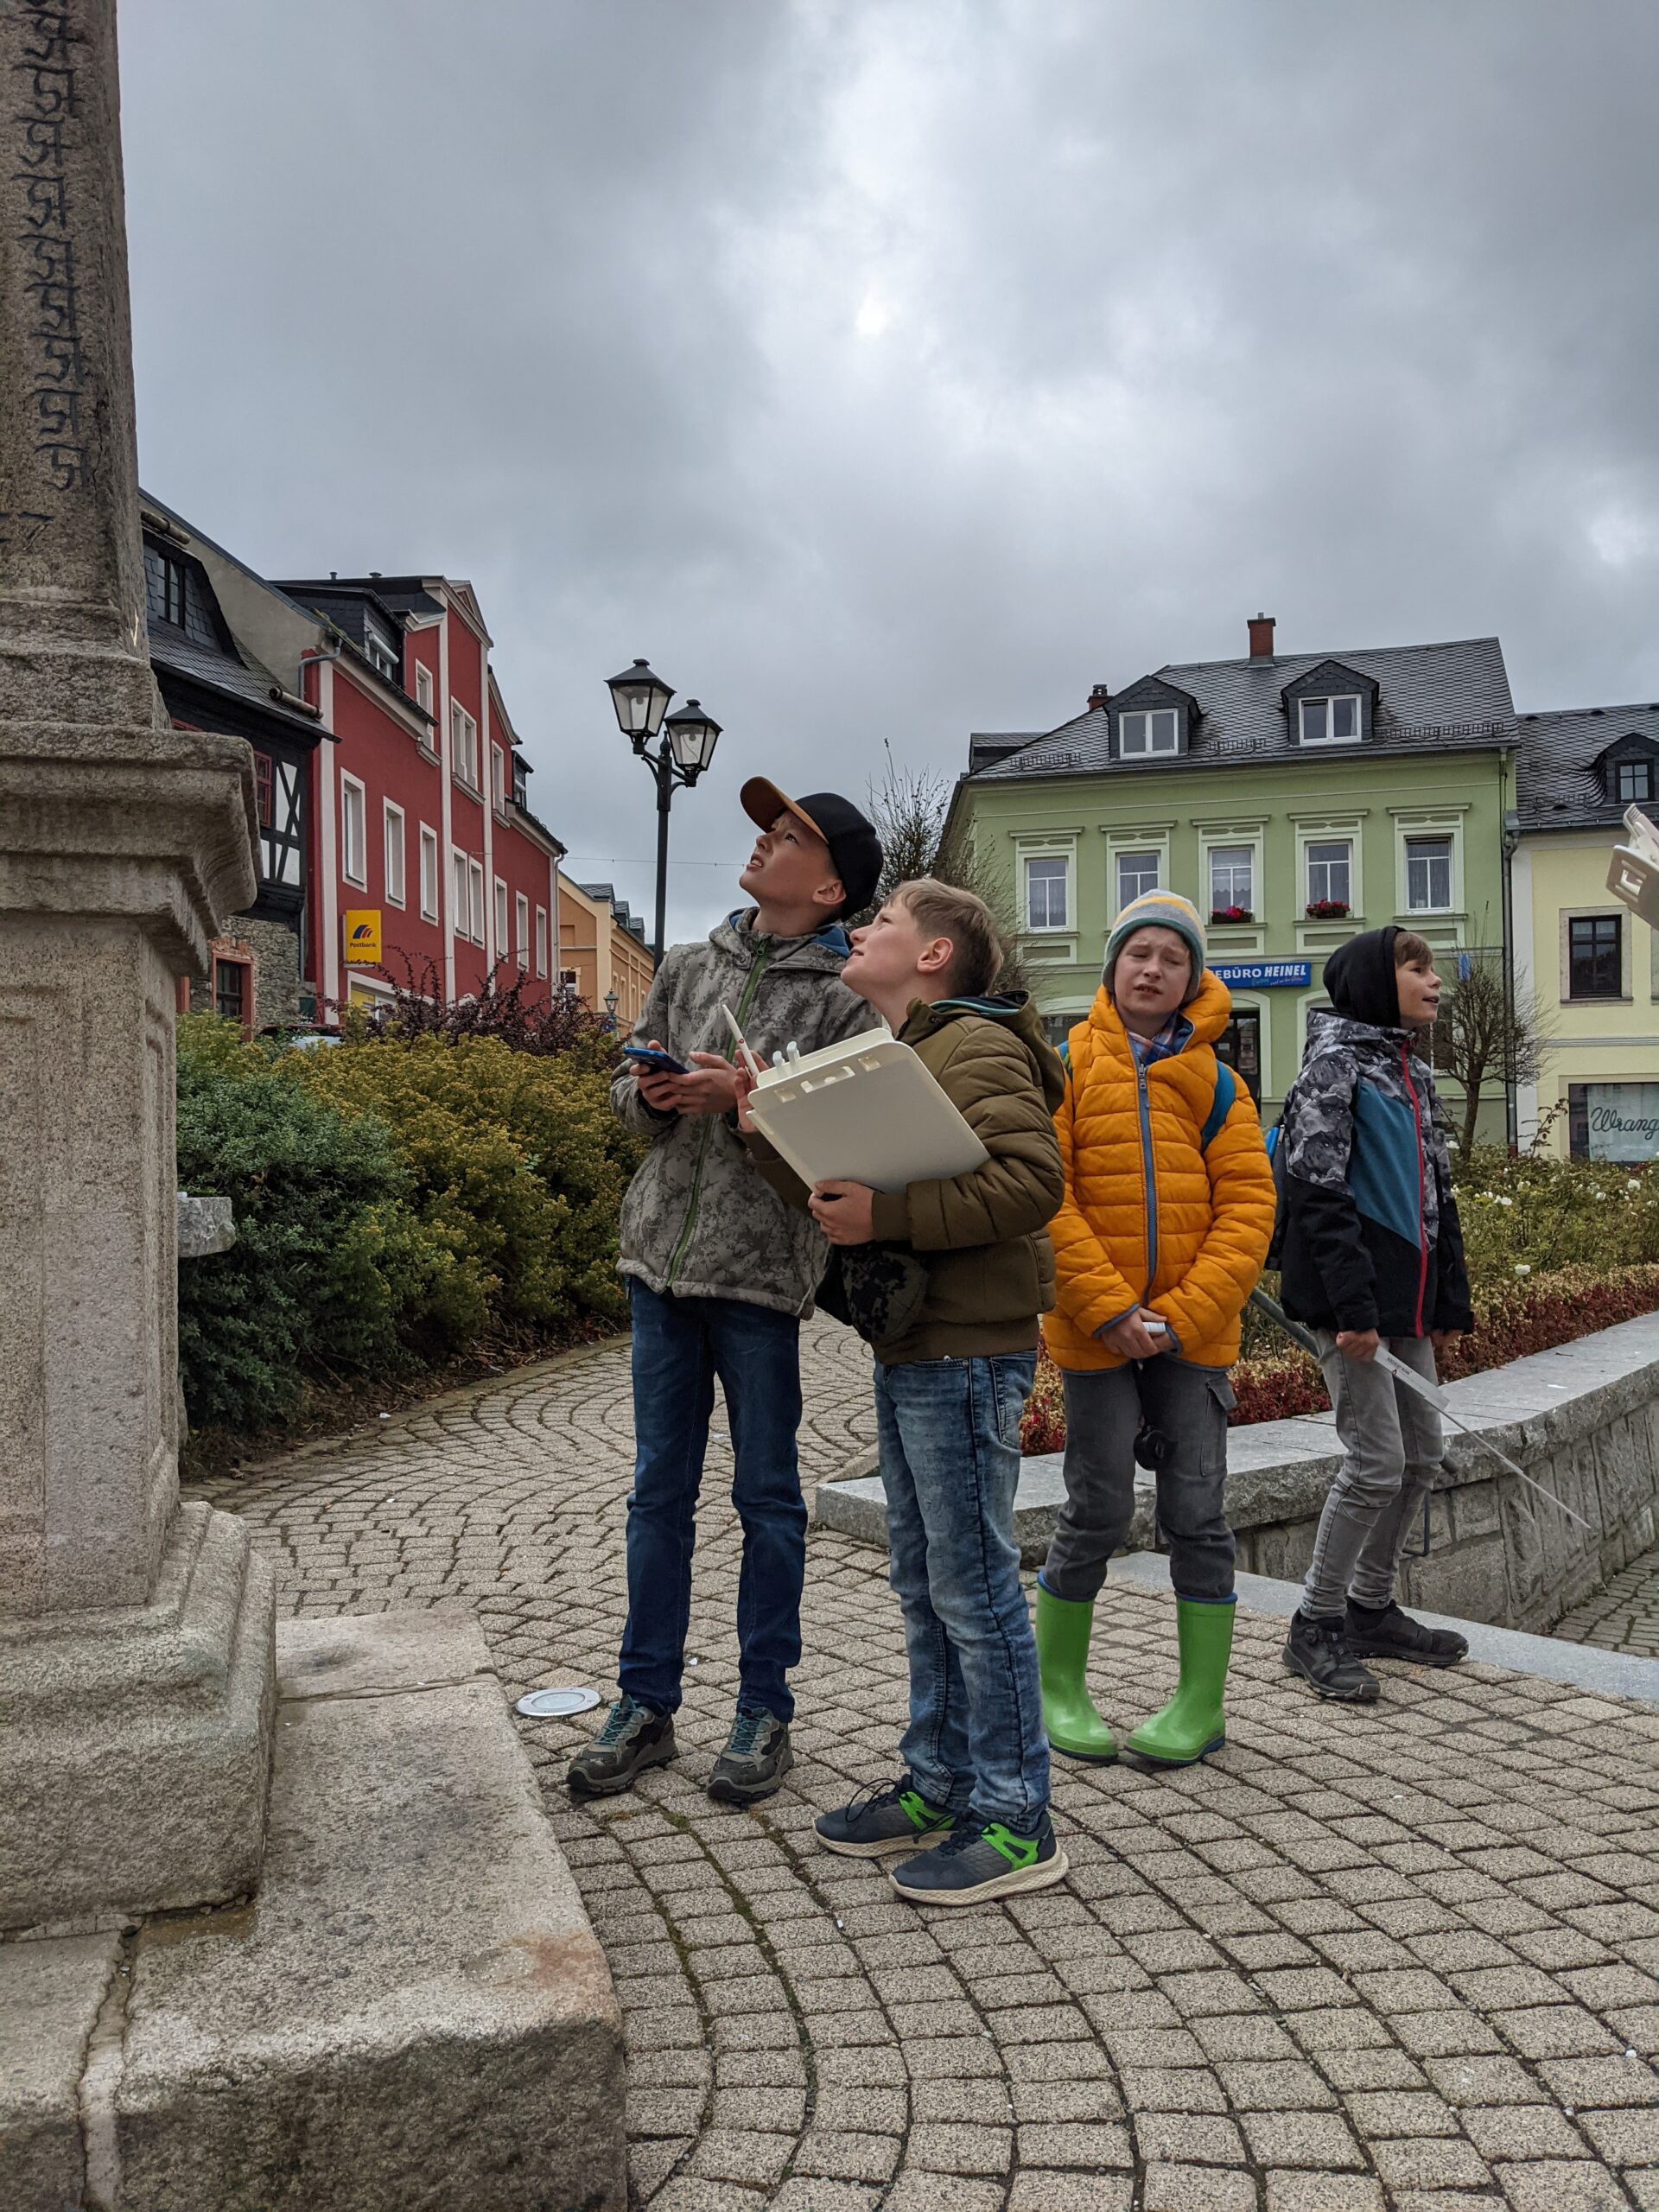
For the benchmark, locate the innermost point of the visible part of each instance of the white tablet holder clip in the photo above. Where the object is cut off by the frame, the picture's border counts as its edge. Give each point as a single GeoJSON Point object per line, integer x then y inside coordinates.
{"type": "Point", "coordinates": [1633, 873]}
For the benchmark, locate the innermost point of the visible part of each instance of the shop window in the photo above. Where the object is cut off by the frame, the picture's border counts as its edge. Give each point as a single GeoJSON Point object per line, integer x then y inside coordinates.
{"type": "Point", "coordinates": [1240, 1047]}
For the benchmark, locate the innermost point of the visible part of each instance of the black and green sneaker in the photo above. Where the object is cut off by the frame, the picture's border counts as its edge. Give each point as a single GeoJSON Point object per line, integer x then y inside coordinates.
{"type": "Point", "coordinates": [888, 1818]}
{"type": "Point", "coordinates": [633, 1738]}
{"type": "Point", "coordinates": [756, 1758]}
{"type": "Point", "coordinates": [976, 1865]}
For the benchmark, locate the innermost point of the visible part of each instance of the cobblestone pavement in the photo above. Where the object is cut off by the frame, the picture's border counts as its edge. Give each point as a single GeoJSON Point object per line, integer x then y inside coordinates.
{"type": "Point", "coordinates": [1625, 1617]}
{"type": "Point", "coordinates": [1400, 1957]}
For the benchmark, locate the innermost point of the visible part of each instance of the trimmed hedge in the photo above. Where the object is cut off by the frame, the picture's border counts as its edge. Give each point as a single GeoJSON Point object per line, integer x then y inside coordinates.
{"type": "Point", "coordinates": [397, 1202]}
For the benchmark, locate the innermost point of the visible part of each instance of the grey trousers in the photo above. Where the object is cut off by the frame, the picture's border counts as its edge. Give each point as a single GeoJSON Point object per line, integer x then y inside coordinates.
{"type": "Point", "coordinates": [1188, 1407]}
{"type": "Point", "coordinates": [1394, 1444]}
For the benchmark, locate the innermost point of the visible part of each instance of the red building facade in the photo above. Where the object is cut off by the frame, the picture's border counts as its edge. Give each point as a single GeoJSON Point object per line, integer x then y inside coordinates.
{"type": "Point", "coordinates": [421, 819]}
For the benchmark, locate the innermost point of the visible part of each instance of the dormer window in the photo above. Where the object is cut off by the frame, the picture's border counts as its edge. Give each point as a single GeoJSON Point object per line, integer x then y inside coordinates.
{"type": "Point", "coordinates": [1153, 733]}
{"type": "Point", "coordinates": [381, 654]}
{"type": "Point", "coordinates": [1632, 782]}
{"type": "Point", "coordinates": [1332, 721]}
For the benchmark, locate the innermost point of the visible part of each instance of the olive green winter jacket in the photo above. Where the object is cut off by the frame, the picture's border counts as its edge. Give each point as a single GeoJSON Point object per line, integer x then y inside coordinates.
{"type": "Point", "coordinates": [983, 1236]}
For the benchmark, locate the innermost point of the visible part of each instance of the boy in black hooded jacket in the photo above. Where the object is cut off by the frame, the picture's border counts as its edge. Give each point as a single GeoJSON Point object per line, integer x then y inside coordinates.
{"type": "Point", "coordinates": [1372, 1254]}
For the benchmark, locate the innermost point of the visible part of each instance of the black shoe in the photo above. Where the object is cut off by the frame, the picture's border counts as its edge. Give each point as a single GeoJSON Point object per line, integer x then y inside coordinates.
{"type": "Point", "coordinates": [632, 1738]}
{"type": "Point", "coordinates": [1384, 1632]}
{"type": "Point", "coordinates": [892, 1819]}
{"type": "Point", "coordinates": [756, 1758]}
{"type": "Point", "coordinates": [1317, 1649]}
{"type": "Point", "coordinates": [976, 1866]}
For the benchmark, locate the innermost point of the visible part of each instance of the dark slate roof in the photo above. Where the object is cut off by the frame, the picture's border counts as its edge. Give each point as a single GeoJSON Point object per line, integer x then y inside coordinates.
{"type": "Point", "coordinates": [396, 594]}
{"type": "Point", "coordinates": [174, 654]}
{"type": "Point", "coordinates": [1448, 697]}
{"type": "Point", "coordinates": [1559, 787]}
{"type": "Point", "coordinates": [986, 746]}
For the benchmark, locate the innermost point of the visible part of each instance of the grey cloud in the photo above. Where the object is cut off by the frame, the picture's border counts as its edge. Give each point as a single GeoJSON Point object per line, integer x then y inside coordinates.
{"type": "Point", "coordinates": [887, 370]}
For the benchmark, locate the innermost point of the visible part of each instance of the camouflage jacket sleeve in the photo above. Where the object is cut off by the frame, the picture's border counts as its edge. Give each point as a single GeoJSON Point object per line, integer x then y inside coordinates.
{"type": "Point", "coordinates": [1321, 1213]}
{"type": "Point", "coordinates": [656, 1021]}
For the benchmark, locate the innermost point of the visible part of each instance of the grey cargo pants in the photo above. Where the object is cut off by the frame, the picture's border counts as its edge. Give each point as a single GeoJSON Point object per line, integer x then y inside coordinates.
{"type": "Point", "coordinates": [1394, 1444]}
{"type": "Point", "coordinates": [1187, 1407]}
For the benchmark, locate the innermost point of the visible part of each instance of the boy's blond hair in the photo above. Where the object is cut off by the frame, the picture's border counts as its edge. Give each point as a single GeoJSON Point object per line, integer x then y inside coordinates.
{"type": "Point", "coordinates": [944, 910]}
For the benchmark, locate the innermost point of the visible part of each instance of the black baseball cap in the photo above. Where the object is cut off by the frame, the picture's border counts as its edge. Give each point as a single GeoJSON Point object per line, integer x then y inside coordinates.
{"type": "Point", "coordinates": [854, 846]}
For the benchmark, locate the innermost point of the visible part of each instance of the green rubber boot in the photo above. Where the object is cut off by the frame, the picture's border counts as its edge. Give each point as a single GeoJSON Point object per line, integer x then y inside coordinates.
{"type": "Point", "coordinates": [1074, 1727]}
{"type": "Point", "coordinates": [1192, 1724]}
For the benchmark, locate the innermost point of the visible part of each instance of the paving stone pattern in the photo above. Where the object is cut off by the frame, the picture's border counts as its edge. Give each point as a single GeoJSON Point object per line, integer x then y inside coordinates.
{"type": "Point", "coordinates": [1623, 1616]}
{"type": "Point", "coordinates": [1402, 1957]}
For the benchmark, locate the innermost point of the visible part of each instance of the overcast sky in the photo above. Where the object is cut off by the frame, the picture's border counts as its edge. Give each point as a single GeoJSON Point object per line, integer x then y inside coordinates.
{"type": "Point", "coordinates": [888, 370]}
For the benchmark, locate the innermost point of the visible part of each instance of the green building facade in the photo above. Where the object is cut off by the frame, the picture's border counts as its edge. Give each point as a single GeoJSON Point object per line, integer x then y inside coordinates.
{"type": "Point", "coordinates": [1296, 800]}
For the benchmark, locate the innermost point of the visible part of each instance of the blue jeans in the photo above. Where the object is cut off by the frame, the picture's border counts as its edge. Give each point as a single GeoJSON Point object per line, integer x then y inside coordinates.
{"type": "Point", "coordinates": [949, 1437]}
{"type": "Point", "coordinates": [680, 1344]}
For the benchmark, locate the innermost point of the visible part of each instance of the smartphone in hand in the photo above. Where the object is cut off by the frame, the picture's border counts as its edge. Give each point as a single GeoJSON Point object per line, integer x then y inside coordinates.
{"type": "Point", "coordinates": [660, 1063]}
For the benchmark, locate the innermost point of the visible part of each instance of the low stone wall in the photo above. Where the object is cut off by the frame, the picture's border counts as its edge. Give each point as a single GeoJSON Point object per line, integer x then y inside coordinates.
{"type": "Point", "coordinates": [1582, 1420]}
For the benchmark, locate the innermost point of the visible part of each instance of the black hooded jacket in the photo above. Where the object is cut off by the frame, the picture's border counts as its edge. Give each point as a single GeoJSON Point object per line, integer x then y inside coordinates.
{"type": "Point", "coordinates": [1372, 1238]}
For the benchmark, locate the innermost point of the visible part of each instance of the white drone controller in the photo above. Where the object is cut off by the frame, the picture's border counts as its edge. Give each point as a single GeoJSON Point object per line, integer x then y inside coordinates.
{"type": "Point", "coordinates": [1633, 875]}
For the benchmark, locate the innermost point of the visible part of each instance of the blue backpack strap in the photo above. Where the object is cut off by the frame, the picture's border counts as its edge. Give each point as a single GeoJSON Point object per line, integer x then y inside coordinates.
{"type": "Point", "coordinates": [1222, 1105]}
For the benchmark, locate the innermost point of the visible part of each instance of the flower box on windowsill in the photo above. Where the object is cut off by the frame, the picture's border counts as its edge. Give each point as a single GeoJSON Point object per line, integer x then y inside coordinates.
{"type": "Point", "coordinates": [1230, 916]}
{"type": "Point", "coordinates": [1327, 910]}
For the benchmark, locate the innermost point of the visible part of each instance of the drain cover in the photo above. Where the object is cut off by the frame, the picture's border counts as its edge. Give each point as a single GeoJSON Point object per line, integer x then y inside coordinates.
{"type": "Point", "coordinates": [555, 1704]}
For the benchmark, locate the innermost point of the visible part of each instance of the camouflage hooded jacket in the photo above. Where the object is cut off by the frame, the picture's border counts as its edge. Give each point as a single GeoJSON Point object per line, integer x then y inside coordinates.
{"type": "Point", "coordinates": [1371, 1237]}
{"type": "Point", "coordinates": [698, 1219]}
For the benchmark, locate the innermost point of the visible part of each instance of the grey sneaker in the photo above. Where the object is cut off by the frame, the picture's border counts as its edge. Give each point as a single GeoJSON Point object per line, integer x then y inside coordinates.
{"type": "Point", "coordinates": [886, 1821]}
{"type": "Point", "coordinates": [633, 1738]}
{"type": "Point", "coordinates": [976, 1865]}
{"type": "Point", "coordinates": [756, 1758]}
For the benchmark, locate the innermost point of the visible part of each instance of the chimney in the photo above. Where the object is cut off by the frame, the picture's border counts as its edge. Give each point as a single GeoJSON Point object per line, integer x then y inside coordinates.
{"type": "Point", "coordinates": [1260, 637]}
{"type": "Point", "coordinates": [1098, 697]}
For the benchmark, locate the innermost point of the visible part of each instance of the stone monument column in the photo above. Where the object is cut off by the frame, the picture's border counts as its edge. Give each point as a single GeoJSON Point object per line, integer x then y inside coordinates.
{"type": "Point", "coordinates": [135, 1636]}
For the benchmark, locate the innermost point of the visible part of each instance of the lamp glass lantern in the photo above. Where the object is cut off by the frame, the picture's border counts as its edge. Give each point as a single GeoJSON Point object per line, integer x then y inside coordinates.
{"type": "Point", "coordinates": [641, 700]}
{"type": "Point", "coordinates": [610, 1007]}
{"type": "Point", "coordinates": [693, 733]}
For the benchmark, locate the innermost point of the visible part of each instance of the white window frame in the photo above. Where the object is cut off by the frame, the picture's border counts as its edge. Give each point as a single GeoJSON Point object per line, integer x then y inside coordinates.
{"type": "Point", "coordinates": [1065, 926]}
{"type": "Point", "coordinates": [475, 917]}
{"type": "Point", "coordinates": [541, 941]}
{"type": "Point", "coordinates": [1330, 837]}
{"type": "Point", "coordinates": [1329, 700]}
{"type": "Point", "coordinates": [1154, 854]}
{"type": "Point", "coordinates": [521, 930]}
{"type": "Point", "coordinates": [428, 873]}
{"type": "Point", "coordinates": [499, 780]}
{"type": "Point", "coordinates": [353, 831]}
{"type": "Point", "coordinates": [1431, 837]}
{"type": "Point", "coordinates": [458, 906]}
{"type": "Point", "coordinates": [424, 693]}
{"type": "Point", "coordinates": [463, 747]}
{"type": "Point", "coordinates": [1411, 823]}
{"type": "Point", "coordinates": [501, 909]}
{"type": "Point", "coordinates": [1252, 863]}
{"type": "Point", "coordinates": [1146, 719]}
{"type": "Point", "coordinates": [1331, 829]}
{"type": "Point", "coordinates": [395, 839]}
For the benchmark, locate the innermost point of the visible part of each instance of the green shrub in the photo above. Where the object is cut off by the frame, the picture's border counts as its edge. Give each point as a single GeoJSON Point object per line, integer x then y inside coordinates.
{"type": "Point", "coordinates": [330, 1257]}
{"type": "Point", "coordinates": [516, 1160]}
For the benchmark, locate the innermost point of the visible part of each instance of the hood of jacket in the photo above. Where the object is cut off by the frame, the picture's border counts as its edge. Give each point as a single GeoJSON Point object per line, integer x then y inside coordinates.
{"type": "Point", "coordinates": [1209, 1013]}
{"type": "Point", "coordinates": [1360, 978]}
{"type": "Point", "coordinates": [825, 951]}
{"type": "Point", "coordinates": [1014, 1011]}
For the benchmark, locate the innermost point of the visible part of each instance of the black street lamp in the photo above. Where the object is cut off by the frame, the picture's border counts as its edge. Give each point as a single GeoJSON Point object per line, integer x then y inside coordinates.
{"type": "Point", "coordinates": [610, 1011]}
{"type": "Point", "coordinates": [686, 747]}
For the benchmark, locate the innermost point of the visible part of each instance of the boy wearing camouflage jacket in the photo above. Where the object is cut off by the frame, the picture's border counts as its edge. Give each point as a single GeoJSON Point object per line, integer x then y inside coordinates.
{"type": "Point", "coordinates": [1372, 1255]}
{"type": "Point", "coordinates": [720, 1272]}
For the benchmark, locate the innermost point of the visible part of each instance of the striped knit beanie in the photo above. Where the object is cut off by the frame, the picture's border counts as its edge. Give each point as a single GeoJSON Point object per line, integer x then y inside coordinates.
{"type": "Point", "coordinates": [1163, 910]}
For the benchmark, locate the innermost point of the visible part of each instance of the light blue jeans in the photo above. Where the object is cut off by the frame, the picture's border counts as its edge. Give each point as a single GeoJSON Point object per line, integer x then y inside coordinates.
{"type": "Point", "coordinates": [949, 1439]}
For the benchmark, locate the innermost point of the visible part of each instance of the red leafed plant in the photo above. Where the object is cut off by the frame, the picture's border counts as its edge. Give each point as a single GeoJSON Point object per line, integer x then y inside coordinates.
{"type": "Point", "coordinates": [1231, 914]}
{"type": "Point", "coordinates": [1327, 910]}
{"type": "Point", "coordinates": [1510, 1321]}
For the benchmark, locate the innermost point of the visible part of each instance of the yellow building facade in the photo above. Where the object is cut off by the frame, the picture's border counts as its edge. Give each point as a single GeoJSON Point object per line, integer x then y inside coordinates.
{"type": "Point", "coordinates": [1585, 970]}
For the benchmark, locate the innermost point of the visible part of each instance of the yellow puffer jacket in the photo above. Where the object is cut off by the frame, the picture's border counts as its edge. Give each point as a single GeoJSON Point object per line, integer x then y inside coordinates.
{"type": "Point", "coordinates": [1150, 1218]}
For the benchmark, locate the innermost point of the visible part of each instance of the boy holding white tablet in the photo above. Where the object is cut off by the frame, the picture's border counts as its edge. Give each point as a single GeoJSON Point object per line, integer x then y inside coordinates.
{"type": "Point", "coordinates": [950, 1386]}
{"type": "Point", "coordinates": [719, 1271]}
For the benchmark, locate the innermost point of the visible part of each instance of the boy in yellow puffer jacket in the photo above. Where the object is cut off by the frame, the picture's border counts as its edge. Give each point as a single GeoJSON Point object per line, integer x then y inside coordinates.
{"type": "Point", "coordinates": [1168, 1210]}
